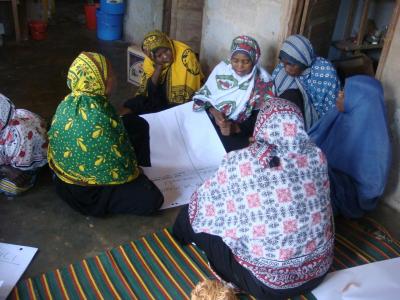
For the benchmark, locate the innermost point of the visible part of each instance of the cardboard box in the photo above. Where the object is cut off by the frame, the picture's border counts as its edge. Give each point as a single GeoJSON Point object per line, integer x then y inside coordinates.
{"type": "Point", "coordinates": [135, 58]}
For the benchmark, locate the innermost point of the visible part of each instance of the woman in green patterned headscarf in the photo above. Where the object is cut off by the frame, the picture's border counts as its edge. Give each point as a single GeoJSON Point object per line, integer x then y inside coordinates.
{"type": "Point", "coordinates": [89, 146]}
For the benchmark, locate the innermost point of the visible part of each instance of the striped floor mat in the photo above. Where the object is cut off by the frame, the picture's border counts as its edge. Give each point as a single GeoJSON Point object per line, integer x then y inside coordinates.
{"type": "Point", "coordinates": [157, 267]}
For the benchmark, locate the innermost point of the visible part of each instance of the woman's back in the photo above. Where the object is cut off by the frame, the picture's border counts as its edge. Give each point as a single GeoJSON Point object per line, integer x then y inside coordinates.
{"type": "Point", "coordinates": [270, 202]}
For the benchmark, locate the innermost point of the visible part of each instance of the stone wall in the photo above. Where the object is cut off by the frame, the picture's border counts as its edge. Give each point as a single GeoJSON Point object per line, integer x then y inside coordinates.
{"type": "Point", "coordinates": [224, 19]}
{"type": "Point", "coordinates": [141, 17]}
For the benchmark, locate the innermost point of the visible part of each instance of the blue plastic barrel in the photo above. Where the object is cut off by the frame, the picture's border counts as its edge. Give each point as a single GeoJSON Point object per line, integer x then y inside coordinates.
{"type": "Point", "coordinates": [115, 7]}
{"type": "Point", "coordinates": [109, 26]}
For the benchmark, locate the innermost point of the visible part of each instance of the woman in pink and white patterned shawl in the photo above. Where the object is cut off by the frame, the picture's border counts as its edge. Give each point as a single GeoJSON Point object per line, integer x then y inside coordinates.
{"type": "Point", "coordinates": [265, 218]}
{"type": "Point", "coordinates": [23, 147]}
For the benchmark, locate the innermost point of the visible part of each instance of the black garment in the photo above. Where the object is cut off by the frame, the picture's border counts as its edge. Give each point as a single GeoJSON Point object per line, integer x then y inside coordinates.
{"type": "Point", "coordinates": [223, 262]}
{"type": "Point", "coordinates": [238, 140]}
{"type": "Point", "coordinates": [139, 135]}
{"type": "Point", "coordinates": [155, 101]}
{"type": "Point", "coordinates": [139, 197]}
{"type": "Point", "coordinates": [343, 187]}
{"type": "Point", "coordinates": [294, 96]}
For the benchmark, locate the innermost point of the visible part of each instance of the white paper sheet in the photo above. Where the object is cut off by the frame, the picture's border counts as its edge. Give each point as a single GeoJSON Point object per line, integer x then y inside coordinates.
{"type": "Point", "coordinates": [14, 259]}
{"type": "Point", "coordinates": [379, 280]}
{"type": "Point", "coordinates": [185, 151]}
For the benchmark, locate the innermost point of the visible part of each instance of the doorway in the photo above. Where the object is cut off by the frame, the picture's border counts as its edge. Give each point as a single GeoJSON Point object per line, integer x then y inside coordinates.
{"type": "Point", "coordinates": [182, 21]}
{"type": "Point", "coordinates": [355, 35]}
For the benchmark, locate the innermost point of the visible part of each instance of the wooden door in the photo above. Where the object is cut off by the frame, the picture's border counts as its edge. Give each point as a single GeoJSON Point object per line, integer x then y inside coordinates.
{"type": "Point", "coordinates": [183, 21]}
{"type": "Point", "coordinates": [318, 23]}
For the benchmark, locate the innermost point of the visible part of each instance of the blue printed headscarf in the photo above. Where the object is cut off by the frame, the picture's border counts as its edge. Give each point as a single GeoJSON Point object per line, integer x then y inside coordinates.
{"type": "Point", "coordinates": [318, 83]}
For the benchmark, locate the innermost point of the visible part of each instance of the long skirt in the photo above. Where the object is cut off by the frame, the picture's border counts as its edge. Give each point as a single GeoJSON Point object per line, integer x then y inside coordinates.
{"type": "Point", "coordinates": [139, 197]}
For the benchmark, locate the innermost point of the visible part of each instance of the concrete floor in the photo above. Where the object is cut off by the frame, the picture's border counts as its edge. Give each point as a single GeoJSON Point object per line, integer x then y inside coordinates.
{"type": "Point", "coordinates": [33, 75]}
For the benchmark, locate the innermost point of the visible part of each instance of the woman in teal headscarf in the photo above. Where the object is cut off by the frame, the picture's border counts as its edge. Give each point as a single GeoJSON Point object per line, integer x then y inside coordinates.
{"type": "Point", "coordinates": [90, 151]}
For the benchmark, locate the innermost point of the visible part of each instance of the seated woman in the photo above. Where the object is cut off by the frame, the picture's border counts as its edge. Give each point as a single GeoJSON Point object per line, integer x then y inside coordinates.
{"type": "Point", "coordinates": [265, 219]}
{"type": "Point", "coordinates": [234, 92]}
{"type": "Point", "coordinates": [309, 81]}
{"type": "Point", "coordinates": [23, 147]}
{"type": "Point", "coordinates": [355, 139]}
{"type": "Point", "coordinates": [90, 152]}
{"type": "Point", "coordinates": [171, 74]}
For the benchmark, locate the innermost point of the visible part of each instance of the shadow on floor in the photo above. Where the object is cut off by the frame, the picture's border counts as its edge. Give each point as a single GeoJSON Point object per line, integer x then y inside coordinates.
{"type": "Point", "coordinates": [33, 75]}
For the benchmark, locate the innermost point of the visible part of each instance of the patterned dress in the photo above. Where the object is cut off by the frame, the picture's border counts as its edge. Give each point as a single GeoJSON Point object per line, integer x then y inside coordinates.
{"type": "Point", "coordinates": [88, 144]}
{"type": "Point", "coordinates": [23, 137]}
{"type": "Point", "coordinates": [270, 202]}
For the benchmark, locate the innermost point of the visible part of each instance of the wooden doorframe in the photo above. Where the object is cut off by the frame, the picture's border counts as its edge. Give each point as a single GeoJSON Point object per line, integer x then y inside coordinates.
{"type": "Point", "coordinates": [388, 40]}
{"type": "Point", "coordinates": [292, 11]}
{"type": "Point", "coordinates": [293, 22]}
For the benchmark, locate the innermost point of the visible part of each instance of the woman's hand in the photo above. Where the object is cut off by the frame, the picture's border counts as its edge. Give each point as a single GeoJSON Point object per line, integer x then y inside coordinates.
{"type": "Point", "coordinates": [340, 101]}
{"type": "Point", "coordinates": [218, 116]}
{"type": "Point", "coordinates": [228, 127]}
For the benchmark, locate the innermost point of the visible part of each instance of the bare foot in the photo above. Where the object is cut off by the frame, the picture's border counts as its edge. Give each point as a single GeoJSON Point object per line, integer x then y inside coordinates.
{"type": "Point", "coordinates": [20, 178]}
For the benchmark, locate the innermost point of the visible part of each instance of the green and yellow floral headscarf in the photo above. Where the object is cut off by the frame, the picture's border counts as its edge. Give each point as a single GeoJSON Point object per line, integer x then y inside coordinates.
{"type": "Point", "coordinates": [88, 144]}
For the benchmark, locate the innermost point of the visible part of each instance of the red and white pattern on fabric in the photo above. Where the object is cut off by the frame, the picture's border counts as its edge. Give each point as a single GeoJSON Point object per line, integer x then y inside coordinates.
{"type": "Point", "coordinates": [210, 210]}
{"type": "Point", "coordinates": [285, 254]}
{"type": "Point", "coordinates": [289, 276]}
{"type": "Point", "coordinates": [230, 206]}
{"type": "Point", "coordinates": [253, 200]}
{"type": "Point", "coordinates": [257, 250]}
{"type": "Point", "coordinates": [289, 129]}
{"type": "Point", "coordinates": [222, 177]}
{"type": "Point", "coordinates": [322, 158]}
{"type": "Point", "coordinates": [310, 189]}
{"type": "Point", "coordinates": [289, 226]}
{"type": "Point", "coordinates": [205, 230]}
{"type": "Point", "coordinates": [245, 169]}
{"type": "Point", "coordinates": [259, 231]}
{"type": "Point", "coordinates": [231, 233]}
{"type": "Point", "coordinates": [24, 141]}
{"type": "Point", "coordinates": [326, 184]}
{"type": "Point", "coordinates": [301, 161]}
{"type": "Point", "coordinates": [275, 197]}
{"type": "Point", "coordinates": [316, 218]}
{"type": "Point", "coordinates": [207, 183]}
{"type": "Point", "coordinates": [284, 195]}
{"type": "Point", "coordinates": [310, 246]}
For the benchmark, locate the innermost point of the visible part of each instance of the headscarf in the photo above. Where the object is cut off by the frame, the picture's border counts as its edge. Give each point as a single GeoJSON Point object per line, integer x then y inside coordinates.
{"type": "Point", "coordinates": [236, 96]}
{"type": "Point", "coordinates": [88, 143]}
{"type": "Point", "coordinates": [6, 109]}
{"type": "Point", "coordinates": [182, 77]}
{"type": "Point", "coordinates": [356, 143]}
{"type": "Point", "coordinates": [270, 202]}
{"type": "Point", "coordinates": [23, 137]}
{"type": "Point", "coordinates": [318, 83]}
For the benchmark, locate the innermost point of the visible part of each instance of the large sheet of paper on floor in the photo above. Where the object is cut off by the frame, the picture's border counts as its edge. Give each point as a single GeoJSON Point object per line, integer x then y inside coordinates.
{"type": "Point", "coordinates": [378, 280]}
{"type": "Point", "coordinates": [14, 259]}
{"type": "Point", "coordinates": [185, 151]}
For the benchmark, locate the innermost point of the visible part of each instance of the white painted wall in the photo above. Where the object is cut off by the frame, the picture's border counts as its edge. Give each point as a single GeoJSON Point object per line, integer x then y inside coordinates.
{"type": "Point", "coordinates": [223, 20]}
{"type": "Point", "coordinates": [390, 81]}
{"type": "Point", "coordinates": [142, 16]}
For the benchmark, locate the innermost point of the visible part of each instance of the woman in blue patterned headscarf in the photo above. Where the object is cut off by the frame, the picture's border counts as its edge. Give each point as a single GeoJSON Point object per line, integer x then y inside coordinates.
{"type": "Point", "coordinates": [315, 77]}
